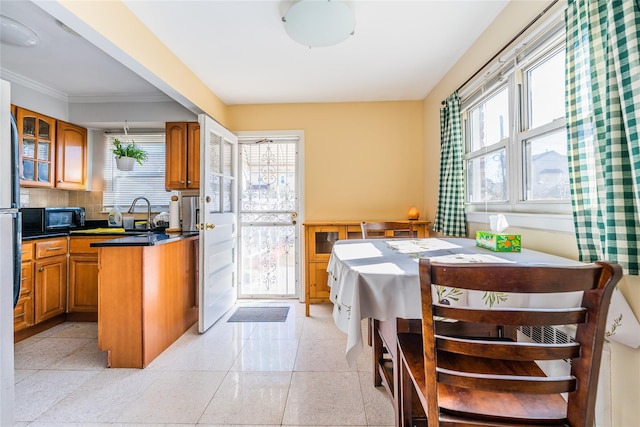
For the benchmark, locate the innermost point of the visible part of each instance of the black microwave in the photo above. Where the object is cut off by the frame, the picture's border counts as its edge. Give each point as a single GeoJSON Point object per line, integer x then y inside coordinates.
{"type": "Point", "coordinates": [37, 221]}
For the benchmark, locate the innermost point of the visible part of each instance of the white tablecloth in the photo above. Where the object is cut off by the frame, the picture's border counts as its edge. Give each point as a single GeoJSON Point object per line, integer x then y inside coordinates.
{"type": "Point", "coordinates": [378, 278]}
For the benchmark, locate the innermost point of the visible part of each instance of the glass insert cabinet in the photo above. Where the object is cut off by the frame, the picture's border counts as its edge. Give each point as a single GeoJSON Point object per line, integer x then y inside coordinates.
{"type": "Point", "coordinates": [37, 135]}
{"type": "Point", "coordinates": [319, 240]}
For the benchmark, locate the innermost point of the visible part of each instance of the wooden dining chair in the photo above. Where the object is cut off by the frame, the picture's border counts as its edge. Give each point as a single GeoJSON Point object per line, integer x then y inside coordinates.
{"type": "Point", "coordinates": [387, 229]}
{"type": "Point", "coordinates": [454, 380]}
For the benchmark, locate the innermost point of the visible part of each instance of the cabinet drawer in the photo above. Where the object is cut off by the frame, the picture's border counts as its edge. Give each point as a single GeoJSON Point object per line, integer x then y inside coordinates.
{"type": "Point", "coordinates": [82, 245]}
{"type": "Point", "coordinates": [51, 247]}
{"type": "Point", "coordinates": [27, 251]}
{"type": "Point", "coordinates": [23, 314]}
{"type": "Point", "coordinates": [26, 285]}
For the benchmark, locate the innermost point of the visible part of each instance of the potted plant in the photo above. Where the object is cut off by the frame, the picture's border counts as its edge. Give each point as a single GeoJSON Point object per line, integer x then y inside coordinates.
{"type": "Point", "coordinates": [127, 154]}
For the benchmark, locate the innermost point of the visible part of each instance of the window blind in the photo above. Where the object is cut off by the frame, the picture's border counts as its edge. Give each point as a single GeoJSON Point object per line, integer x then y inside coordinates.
{"type": "Point", "coordinates": [146, 180]}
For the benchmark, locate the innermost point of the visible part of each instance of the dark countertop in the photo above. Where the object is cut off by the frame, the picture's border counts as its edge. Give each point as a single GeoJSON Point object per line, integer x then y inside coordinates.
{"type": "Point", "coordinates": [144, 239]}
{"type": "Point", "coordinates": [45, 236]}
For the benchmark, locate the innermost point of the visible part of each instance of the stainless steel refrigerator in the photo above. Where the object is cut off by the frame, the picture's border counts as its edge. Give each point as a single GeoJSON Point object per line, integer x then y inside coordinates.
{"type": "Point", "coordinates": [10, 249]}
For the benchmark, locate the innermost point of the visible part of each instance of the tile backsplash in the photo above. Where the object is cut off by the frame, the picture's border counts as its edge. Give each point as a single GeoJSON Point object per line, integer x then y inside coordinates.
{"type": "Point", "coordinates": [45, 197]}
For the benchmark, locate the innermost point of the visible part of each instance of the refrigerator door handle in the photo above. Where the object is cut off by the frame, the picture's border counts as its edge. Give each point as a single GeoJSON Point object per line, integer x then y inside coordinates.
{"type": "Point", "coordinates": [17, 255]}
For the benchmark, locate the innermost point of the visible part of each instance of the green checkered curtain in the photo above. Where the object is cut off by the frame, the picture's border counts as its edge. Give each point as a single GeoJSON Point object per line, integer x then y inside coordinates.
{"type": "Point", "coordinates": [450, 219]}
{"type": "Point", "coordinates": [603, 115]}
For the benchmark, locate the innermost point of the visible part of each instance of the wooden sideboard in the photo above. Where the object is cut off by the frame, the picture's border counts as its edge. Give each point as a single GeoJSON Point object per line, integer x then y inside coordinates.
{"type": "Point", "coordinates": [319, 239]}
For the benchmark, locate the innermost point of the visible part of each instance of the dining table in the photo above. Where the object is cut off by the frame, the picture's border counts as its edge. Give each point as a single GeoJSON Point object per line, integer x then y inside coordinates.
{"type": "Point", "coordinates": [378, 279]}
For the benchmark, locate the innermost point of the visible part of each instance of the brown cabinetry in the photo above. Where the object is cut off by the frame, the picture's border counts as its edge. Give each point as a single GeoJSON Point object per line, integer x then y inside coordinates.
{"type": "Point", "coordinates": [37, 136]}
{"type": "Point", "coordinates": [182, 156]}
{"type": "Point", "coordinates": [83, 275]}
{"type": "Point", "coordinates": [71, 156]}
{"type": "Point", "coordinates": [53, 153]}
{"type": "Point", "coordinates": [319, 238]}
{"type": "Point", "coordinates": [23, 313]}
{"type": "Point", "coordinates": [147, 299]}
{"type": "Point", "coordinates": [50, 278]}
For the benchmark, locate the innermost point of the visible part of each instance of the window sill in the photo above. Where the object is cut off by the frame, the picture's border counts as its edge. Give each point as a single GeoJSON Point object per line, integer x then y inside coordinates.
{"type": "Point", "coordinates": [535, 221]}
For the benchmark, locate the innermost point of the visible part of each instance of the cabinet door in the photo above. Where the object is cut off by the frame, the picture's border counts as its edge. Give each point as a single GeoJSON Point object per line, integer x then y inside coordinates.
{"type": "Point", "coordinates": [71, 156]}
{"type": "Point", "coordinates": [193, 155]}
{"type": "Point", "coordinates": [176, 156]}
{"type": "Point", "coordinates": [83, 284]}
{"type": "Point", "coordinates": [37, 136]}
{"type": "Point", "coordinates": [320, 240]}
{"type": "Point", "coordinates": [50, 287]}
{"type": "Point", "coordinates": [23, 313]}
{"type": "Point", "coordinates": [317, 281]}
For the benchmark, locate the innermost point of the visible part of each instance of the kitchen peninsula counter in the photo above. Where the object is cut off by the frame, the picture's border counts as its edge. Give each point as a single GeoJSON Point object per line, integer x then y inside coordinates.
{"type": "Point", "coordinates": [147, 295]}
{"type": "Point", "coordinates": [142, 238]}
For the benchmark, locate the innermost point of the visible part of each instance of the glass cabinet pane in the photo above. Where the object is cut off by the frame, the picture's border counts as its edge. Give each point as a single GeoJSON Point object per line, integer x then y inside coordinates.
{"type": "Point", "coordinates": [43, 150]}
{"type": "Point", "coordinates": [29, 126]}
{"type": "Point", "coordinates": [43, 172]}
{"type": "Point", "coordinates": [44, 130]}
{"type": "Point", "coordinates": [28, 148]}
{"type": "Point", "coordinates": [325, 241]}
{"type": "Point", "coordinates": [28, 170]}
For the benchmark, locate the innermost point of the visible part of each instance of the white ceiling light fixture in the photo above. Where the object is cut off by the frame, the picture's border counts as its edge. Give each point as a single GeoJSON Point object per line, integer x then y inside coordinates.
{"type": "Point", "coordinates": [14, 33]}
{"type": "Point", "coordinates": [318, 23]}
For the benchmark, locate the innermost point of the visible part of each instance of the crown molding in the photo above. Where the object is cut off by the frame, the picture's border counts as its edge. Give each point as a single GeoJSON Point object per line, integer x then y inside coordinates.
{"type": "Point", "coordinates": [119, 97]}
{"type": "Point", "coordinates": [32, 84]}
{"type": "Point", "coordinates": [83, 99]}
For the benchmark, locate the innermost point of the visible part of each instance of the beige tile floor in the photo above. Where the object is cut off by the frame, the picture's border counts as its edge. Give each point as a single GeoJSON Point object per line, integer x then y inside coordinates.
{"type": "Point", "coordinates": [289, 373]}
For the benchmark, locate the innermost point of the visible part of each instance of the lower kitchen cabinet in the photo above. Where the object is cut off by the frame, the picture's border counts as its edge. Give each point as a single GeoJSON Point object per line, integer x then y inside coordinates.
{"type": "Point", "coordinates": [83, 274]}
{"type": "Point", "coordinates": [147, 299]}
{"type": "Point", "coordinates": [23, 312]}
{"type": "Point", "coordinates": [50, 278]}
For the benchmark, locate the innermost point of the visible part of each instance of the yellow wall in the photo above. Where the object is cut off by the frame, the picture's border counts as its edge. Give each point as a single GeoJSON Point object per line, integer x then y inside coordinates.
{"type": "Point", "coordinates": [363, 161]}
{"type": "Point", "coordinates": [625, 362]}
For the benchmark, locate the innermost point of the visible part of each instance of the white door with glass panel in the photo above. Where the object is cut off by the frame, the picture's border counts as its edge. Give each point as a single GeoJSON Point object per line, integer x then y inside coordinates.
{"type": "Point", "coordinates": [268, 255]}
{"type": "Point", "coordinates": [218, 153]}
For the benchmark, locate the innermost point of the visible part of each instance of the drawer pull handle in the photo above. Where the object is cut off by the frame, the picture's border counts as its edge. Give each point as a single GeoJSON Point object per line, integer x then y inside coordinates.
{"type": "Point", "coordinates": [24, 252]}
{"type": "Point", "coordinates": [23, 279]}
{"type": "Point", "coordinates": [55, 248]}
{"type": "Point", "coordinates": [17, 316]}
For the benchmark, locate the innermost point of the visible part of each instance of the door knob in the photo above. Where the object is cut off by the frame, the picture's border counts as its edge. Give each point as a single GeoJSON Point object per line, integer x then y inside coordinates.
{"type": "Point", "coordinates": [198, 226]}
{"type": "Point", "coordinates": [210, 226]}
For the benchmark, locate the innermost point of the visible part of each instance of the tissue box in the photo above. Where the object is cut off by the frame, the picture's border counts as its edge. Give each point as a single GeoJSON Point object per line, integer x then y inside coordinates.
{"type": "Point", "coordinates": [498, 242]}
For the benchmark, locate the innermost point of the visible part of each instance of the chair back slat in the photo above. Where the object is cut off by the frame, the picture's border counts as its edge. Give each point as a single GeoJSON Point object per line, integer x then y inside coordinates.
{"type": "Point", "coordinates": [507, 383]}
{"type": "Point", "coordinates": [464, 376]}
{"type": "Point", "coordinates": [518, 317]}
{"type": "Point", "coordinates": [517, 278]}
{"type": "Point", "coordinates": [508, 350]}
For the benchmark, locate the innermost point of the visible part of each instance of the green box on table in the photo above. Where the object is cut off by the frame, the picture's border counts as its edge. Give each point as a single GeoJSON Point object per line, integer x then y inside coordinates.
{"type": "Point", "coordinates": [498, 242]}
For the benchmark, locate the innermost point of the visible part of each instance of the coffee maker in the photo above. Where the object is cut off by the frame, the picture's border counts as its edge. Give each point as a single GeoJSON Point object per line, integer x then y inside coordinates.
{"type": "Point", "coordinates": [190, 213]}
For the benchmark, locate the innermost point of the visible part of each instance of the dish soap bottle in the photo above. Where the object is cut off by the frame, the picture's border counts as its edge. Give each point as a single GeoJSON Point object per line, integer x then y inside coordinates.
{"type": "Point", "coordinates": [115, 217]}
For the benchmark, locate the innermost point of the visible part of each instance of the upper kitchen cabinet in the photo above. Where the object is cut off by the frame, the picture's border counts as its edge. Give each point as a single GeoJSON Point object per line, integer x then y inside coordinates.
{"type": "Point", "coordinates": [36, 133]}
{"type": "Point", "coordinates": [71, 156]}
{"type": "Point", "coordinates": [182, 156]}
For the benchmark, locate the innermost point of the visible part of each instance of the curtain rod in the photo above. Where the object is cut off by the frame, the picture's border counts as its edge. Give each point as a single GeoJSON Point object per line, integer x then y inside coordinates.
{"type": "Point", "coordinates": [529, 25]}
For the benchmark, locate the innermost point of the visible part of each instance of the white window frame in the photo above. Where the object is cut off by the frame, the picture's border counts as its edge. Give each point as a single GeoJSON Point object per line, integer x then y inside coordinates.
{"type": "Point", "coordinates": [511, 69]}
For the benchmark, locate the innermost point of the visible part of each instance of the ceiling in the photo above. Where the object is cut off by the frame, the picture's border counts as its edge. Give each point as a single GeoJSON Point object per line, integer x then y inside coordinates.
{"type": "Point", "coordinates": [240, 50]}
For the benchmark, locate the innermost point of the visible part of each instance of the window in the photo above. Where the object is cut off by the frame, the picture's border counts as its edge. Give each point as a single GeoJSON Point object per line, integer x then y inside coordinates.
{"type": "Point", "coordinates": [147, 180]}
{"type": "Point", "coordinates": [514, 131]}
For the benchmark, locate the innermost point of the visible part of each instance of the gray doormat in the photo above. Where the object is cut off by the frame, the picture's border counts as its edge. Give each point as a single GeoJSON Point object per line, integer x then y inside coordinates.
{"type": "Point", "coordinates": [259, 314]}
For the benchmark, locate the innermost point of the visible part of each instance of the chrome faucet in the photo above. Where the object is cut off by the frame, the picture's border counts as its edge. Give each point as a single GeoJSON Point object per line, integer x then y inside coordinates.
{"type": "Point", "coordinates": [133, 205]}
